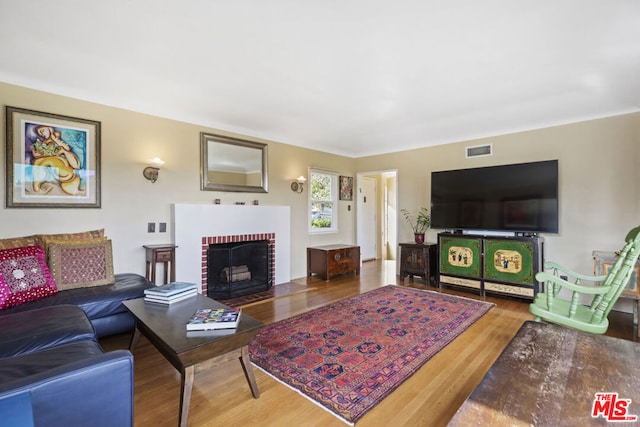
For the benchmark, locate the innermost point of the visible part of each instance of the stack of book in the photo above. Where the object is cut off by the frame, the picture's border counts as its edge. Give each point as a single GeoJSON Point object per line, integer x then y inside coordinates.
{"type": "Point", "coordinates": [206, 319]}
{"type": "Point", "coordinates": [170, 293]}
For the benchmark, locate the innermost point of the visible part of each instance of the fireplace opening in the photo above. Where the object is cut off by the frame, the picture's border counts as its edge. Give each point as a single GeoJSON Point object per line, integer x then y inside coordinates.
{"type": "Point", "coordinates": [238, 268]}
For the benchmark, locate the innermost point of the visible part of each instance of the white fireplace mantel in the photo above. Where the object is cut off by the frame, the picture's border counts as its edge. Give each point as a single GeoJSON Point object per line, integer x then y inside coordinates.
{"type": "Point", "coordinates": [192, 222]}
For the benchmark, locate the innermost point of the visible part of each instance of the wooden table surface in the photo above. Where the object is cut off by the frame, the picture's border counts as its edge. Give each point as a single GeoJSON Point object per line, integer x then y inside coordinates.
{"type": "Point", "coordinates": [165, 327]}
{"type": "Point", "coordinates": [549, 376]}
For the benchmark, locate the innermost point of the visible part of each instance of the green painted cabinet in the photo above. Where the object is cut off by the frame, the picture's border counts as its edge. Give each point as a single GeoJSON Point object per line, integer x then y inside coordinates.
{"type": "Point", "coordinates": [499, 265]}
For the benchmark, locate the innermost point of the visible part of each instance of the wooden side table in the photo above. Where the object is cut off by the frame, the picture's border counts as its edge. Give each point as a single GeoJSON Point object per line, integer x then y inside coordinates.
{"type": "Point", "coordinates": [419, 260]}
{"type": "Point", "coordinates": [165, 254]}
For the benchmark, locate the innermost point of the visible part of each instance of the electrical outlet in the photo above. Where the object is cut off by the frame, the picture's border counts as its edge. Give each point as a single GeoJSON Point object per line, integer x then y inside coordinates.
{"type": "Point", "coordinates": [162, 227]}
{"type": "Point", "coordinates": [151, 227]}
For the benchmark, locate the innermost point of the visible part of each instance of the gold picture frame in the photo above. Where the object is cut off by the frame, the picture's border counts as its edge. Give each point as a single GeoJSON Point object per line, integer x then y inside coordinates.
{"type": "Point", "coordinates": [52, 161]}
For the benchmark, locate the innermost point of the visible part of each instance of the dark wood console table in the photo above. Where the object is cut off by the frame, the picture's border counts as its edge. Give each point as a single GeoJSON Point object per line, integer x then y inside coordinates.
{"type": "Point", "coordinates": [419, 260]}
{"type": "Point", "coordinates": [331, 260]}
{"type": "Point", "coordinates": [549, 376]}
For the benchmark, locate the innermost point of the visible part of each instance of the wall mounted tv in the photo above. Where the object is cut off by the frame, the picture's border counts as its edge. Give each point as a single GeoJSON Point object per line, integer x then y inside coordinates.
{"type": "Point", "coordinates": [520, 198]}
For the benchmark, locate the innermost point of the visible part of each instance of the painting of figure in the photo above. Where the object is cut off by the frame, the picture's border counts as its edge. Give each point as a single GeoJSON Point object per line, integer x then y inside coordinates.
{"type": "Point", "coordinates": [346, 188]}
{"type": "Point", "coordinates": [57, 159]}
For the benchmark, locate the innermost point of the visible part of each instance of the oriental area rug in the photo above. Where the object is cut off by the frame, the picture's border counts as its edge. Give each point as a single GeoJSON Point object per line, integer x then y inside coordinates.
{"type": "Point", "coordinates": [349, 355]}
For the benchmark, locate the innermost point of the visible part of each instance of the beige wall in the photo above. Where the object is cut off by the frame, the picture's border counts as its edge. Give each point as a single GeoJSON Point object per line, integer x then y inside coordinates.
{"type": "Point", "coordinates": [129, 201]}
{"type": "Point", "coordinates": [598, 174]}
{"type": "Point", "coordinates": [599, 192]}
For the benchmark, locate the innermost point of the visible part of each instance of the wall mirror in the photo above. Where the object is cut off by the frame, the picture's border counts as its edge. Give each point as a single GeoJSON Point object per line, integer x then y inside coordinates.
{"type": "Point", "coordinates": [232, 164]}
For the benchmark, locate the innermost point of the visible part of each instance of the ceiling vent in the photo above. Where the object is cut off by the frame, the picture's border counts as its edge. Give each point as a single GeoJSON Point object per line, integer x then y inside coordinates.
{"type": "Point", "coordinates": [479, 151]}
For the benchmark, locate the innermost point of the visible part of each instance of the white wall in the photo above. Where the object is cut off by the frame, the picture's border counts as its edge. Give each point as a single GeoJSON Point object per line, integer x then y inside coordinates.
{"type": "Point", "coordinates": [193, 222]}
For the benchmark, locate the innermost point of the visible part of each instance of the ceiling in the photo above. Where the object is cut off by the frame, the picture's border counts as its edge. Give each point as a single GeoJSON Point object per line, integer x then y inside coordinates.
{"type": "Point", "coordinates": [351, 77]}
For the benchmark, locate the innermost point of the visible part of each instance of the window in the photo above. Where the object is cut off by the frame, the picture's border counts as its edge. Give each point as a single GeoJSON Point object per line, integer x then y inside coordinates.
{"type": "Point", "coordinates": [323, 207]}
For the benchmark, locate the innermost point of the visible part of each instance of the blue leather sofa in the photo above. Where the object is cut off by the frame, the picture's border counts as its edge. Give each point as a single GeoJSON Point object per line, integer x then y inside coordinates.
{"type": "Point", "coordinates": [102, 304]}
{"type": "Point", "coordinates": [54, 373]}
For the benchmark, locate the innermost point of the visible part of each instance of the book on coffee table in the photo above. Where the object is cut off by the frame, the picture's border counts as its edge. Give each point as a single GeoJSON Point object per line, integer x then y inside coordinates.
{"type": "Point", "coordinates": [210, 333]}
{"type": "Point", "coordinates": [171, 289]}
{"type": "Point", "coordinates": [214, 318]}
{"type": "Point", "coordinates": [170, 299]}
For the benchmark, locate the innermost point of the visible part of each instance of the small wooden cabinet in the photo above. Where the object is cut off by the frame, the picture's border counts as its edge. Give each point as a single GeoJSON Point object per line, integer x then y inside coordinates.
{"type": "Point", "coordinates": [330, 260]}
{"type": "Point", "coordinates": [419, 260]}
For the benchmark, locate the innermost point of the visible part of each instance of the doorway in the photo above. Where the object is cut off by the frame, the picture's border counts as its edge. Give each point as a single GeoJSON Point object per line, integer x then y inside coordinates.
{"type": "Point", "coordinates": [376, 224]}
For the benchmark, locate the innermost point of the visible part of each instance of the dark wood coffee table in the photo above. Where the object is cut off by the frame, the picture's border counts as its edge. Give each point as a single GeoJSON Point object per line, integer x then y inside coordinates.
{"type": "Point", "coordinates": [164, 327]}
{"type": "Point", "coordinates": [549, 376]}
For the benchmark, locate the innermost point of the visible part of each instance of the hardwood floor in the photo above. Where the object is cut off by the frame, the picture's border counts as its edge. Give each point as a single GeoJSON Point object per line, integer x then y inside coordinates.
{"type": "Point", "coordinates": [221, 395]}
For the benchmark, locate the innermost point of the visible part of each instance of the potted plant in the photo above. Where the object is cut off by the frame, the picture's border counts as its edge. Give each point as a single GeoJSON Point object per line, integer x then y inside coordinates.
{"type": "Point", "coordinates": [420, 224]}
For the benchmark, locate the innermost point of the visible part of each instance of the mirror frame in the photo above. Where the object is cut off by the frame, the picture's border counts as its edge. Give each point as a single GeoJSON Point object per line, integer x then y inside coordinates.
{"type": "Point", "coordinates": [205, 185]}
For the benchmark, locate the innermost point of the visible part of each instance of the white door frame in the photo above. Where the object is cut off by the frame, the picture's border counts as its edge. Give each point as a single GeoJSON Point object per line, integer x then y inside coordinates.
{"type": "Point", "coordinates": [359, 232]}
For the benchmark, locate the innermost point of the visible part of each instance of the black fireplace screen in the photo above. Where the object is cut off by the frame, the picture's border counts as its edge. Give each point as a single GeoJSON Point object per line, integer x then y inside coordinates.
{"type": "Point", "coordinates": [237, 269]}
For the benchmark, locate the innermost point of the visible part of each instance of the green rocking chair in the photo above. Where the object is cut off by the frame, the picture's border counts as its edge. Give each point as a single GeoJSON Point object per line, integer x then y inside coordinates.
{"type": "Point", "coordinates": [551, 307]}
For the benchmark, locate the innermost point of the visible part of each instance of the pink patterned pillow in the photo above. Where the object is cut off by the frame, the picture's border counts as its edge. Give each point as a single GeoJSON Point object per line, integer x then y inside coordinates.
{"type": "Point", "coordinates": [24, 276]}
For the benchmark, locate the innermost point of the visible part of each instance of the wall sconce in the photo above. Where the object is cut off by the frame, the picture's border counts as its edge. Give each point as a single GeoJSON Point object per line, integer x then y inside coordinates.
{"type": "Point", "coordinates": [151, 171]}
{"type": "Point", "coordinates": [298, 184]}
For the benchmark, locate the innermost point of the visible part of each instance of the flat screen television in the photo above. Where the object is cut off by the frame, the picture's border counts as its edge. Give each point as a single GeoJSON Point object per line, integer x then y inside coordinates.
{"type": "Point", "coordinates": [520, 198]}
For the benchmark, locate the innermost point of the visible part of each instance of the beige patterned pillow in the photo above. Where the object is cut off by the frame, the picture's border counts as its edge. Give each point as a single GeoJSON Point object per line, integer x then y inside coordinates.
{"type": "Point", "coordinates": [17, 242]}
{"type": "Point", "coordinates": [81, 264]}
{"type": "Point", "coordinates": [44, 239]}
{"type": "Point", "coordinates": [63, 242]}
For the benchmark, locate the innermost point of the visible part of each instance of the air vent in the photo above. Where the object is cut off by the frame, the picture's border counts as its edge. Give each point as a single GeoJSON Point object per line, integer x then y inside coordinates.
{"type": "Point", "coordinates": [479, 150]}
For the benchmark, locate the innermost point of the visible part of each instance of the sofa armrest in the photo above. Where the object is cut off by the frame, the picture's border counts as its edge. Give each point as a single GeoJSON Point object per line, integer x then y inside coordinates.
{"type": "Point", "coordinates": [97, 391]}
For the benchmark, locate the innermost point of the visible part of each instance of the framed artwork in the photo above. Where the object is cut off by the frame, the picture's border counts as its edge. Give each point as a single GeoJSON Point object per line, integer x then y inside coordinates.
{"type": "Point", "coordinates": [346, 188]}
{"type": "Point", "coordinates": [52, 161]}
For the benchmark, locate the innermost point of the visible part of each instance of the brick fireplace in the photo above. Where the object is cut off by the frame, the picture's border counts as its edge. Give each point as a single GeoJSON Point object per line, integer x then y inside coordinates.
{"type": "Point", "coordinates": [197, 225]}
{"type": "Point", "coordinates": [229, 243]}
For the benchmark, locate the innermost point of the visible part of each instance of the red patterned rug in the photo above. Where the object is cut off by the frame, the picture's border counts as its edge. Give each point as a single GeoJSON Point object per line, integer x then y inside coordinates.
{"type": "Point", "coordinates": [349, 355]}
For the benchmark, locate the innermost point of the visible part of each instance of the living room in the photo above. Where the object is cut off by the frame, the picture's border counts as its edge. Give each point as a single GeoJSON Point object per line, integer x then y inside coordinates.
{"type": "Point", "coordinates": [599, 194]}
{"type": "Point", "coordinates": [596, 146]}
